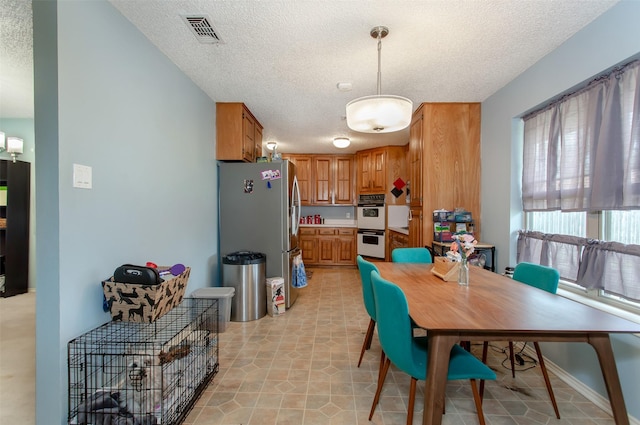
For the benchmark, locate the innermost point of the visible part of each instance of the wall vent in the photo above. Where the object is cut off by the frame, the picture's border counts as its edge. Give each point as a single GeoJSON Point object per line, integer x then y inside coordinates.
{"type": "Point", "coordinates": [202, 29]}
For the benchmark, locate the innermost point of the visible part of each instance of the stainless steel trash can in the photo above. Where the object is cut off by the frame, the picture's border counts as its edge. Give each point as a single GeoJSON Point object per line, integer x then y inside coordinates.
{"type": "Point", "coordinates": [246, 272]}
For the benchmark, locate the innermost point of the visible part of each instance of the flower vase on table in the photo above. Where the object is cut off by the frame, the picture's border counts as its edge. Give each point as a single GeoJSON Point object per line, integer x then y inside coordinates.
{"type": "Point", "coordinates": [462, 247]}
{"type": "Point", "coordinates": [463, 273]}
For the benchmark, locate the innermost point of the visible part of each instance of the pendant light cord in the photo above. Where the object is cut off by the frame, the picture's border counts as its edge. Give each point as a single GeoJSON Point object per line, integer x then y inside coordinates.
{"type": "Point", "coordinates": [379, 62]}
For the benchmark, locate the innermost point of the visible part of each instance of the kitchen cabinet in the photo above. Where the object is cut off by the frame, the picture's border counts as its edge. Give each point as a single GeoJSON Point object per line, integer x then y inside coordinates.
{"type": "Point", "coordinates": [371, 170]}
{"type": "Point", "coordinates": [303, 174]}
{"type": "Point", "coordinates": [308, 245]}
{"type": "Point", "coordinates": [15, 180]}
{"type": "Point", "coordinates": [444, 165]}
{"type": "Point", "coordinates": [397, 240]}
{"type": "Point", "coordinates": [416, 225]}
{"type": "Point", "coordinates": [325, 179]}
{"type": "Point", "coordinates": [379, 168]}
{"type": "Point", "coordinates": [238, 133]}
{"type": "Point", "coordinates": [328, 246]}
{"type": "Point", "coordinates": [414, 185]}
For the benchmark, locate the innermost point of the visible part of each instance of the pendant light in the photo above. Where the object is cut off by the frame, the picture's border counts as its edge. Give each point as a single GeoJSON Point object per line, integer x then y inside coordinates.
{"type": "Point", "coordinates": [379, 113]}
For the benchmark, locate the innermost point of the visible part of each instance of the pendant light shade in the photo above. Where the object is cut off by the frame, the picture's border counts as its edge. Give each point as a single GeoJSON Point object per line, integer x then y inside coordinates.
{"type": "Point", "coordinates": [379, 113]}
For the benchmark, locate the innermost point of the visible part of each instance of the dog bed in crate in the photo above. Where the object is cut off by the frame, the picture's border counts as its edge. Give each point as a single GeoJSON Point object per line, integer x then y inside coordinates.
{"type": "Point", "coordinates": [128, 373]}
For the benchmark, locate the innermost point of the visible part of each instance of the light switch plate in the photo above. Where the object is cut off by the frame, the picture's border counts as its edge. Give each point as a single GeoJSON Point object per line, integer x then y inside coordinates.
{"type": "Point", "coordinates": [82, 176]}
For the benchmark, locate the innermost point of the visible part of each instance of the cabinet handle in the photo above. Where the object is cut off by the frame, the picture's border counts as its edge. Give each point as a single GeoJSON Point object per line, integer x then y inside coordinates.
{"type": "Point", "coordinates": [410, 215]}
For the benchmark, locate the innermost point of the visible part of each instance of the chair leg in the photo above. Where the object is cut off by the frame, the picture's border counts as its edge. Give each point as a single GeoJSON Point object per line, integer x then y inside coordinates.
{"type": "Point", "coordinates": [513, 364]}
{"type": "Point", "coordinates": [478, 400]}
{"type": "Point", "coordinates": [485, 352]}
{"type": "Point", "coordinates": [547, 382]}
{"type": "Point", "coordinates": [383, 357]}
{"type": "Point", "coordinates": [412, 400]}
{"type": "Point", "coordinates": [366, 344]}
{"type": "Point", "coordinates": [383, 375]}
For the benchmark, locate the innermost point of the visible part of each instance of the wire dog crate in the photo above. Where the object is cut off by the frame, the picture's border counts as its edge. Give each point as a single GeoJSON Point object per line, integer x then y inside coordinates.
{"type": "Point", "coordinates": [144, 373]}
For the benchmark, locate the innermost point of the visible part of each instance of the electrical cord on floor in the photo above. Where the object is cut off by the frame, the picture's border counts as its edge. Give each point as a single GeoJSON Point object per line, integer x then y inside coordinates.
{"type": "Point", "coordinates": [522, 361]}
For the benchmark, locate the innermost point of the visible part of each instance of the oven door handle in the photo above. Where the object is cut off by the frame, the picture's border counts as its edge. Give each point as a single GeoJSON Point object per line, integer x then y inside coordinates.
{"type": "Point", "coordinates": [371, 232]}
{"type": "Point", "coordinates": [370, 205]}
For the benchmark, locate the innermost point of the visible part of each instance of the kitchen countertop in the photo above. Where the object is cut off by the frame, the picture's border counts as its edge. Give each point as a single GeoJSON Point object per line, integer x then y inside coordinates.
{"type": "Point", "coordinates": [334, 223]}
{"type": "Point", "coordinates": [403, 230]}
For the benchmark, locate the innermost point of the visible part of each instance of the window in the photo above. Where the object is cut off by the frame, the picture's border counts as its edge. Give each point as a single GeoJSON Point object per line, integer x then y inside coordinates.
{"type": "Point", "coordinates": [581, 187]}
{"type": "Point", "coordinates": [622, 226]}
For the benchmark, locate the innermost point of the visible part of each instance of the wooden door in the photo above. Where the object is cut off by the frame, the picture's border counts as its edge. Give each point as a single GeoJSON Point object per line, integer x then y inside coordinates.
{"type": "Point", "coordinates": [308, 245]}
{"type": "Point", "coordinates": [326, 242]}
{"type": "Point", "coordinates": [415, 160]}
{"type": "Point", "coordinates": [364, 171]}
{"type": "Point", "coordinates": [346, 246]}
{"type": "Point", "coordinates": [344, 174]}
{"type": "Point", "coordinates": [322, 179]}
{"type": "Point", "coordinates": [258, 142]}
{"type": "Point", "coordinates": [303, 174]}
{"type": "Point", "coordinates": [378, 171]}
{"type": "Point", "coordinates": [249, 128]}
{"type": "Point", "coordinates": [416, 228]}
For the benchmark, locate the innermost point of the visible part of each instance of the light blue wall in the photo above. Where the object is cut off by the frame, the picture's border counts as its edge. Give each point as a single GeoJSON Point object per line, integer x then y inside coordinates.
{"type": "Point", "coordinates": [108, 99]}
{"type": "Point", "coordinates": [611, 39]}
{"type": "Point", "coordinates": [23, 128]}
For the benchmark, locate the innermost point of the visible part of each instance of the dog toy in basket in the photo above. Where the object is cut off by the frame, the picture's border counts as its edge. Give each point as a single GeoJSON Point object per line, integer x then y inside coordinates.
{"type": "Point", "coordinates": [175, 270]}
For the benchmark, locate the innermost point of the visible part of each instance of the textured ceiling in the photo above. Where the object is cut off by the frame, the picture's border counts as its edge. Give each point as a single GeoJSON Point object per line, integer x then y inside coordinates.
{"type": "Point", "coordinates": [285, 58]}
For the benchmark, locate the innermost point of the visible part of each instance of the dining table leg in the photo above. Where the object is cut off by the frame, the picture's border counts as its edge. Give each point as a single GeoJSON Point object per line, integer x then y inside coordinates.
{"type": "Point", "coordinates": [439, 348]}
{"type": "Point", "coordinates": [602, 344]}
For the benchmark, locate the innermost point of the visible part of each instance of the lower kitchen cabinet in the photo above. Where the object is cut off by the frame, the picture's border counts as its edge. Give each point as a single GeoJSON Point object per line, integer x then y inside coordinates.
{"type": "Point", "coordinates": [397, 240]}
{"type": "Point", "coordinates": [308, 245]}
{"type": "Point", "coordinates": [328, 246]}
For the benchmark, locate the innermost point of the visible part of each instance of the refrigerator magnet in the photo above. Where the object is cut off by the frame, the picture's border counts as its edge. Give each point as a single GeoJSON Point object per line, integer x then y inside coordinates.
{"type": "Point", "coordinates": [248, 186]}
{"type": "Point", "coordinates": [270, 174]}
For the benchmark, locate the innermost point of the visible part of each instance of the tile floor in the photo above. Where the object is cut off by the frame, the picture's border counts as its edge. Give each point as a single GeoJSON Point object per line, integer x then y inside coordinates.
{"type": "Point", "coordinates": [300, 368]}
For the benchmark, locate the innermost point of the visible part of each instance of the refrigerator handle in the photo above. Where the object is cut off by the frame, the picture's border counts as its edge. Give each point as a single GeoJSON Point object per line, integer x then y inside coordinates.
{"type": "Point", "coordinates": [295, 207]}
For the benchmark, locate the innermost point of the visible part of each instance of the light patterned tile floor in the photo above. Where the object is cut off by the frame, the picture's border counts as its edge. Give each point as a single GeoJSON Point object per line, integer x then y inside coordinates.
{"type": "Point", "coordinates": [301, 368]}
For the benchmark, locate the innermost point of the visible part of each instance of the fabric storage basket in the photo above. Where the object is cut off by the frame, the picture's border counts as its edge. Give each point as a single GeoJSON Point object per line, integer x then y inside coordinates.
{"type": "Point", "coordinates": [134, 302]}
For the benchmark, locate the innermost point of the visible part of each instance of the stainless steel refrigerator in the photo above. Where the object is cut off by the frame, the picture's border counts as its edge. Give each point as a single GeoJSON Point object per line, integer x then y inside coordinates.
{"type": "Point", "coordinates": [259, 210]}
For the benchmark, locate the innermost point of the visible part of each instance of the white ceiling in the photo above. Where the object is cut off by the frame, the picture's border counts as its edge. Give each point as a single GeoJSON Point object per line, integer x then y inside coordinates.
{"type": "Point", "coordinates": [285, 58]}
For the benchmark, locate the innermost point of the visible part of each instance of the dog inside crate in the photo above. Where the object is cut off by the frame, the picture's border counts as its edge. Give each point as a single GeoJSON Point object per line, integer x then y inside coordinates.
{"type": "Point", "coordinates": [138, 375]}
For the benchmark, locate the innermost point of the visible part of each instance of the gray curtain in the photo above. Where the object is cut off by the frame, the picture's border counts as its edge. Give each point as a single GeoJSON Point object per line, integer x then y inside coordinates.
{"type": "Point", "coordinates": [582, 153]}
{"type": "Point", "coordinates": [611, 266]}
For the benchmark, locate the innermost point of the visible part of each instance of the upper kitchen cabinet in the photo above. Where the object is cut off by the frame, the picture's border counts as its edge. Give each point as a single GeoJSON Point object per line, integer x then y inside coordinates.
{"type": "Point", "coordinates": [325, 179]}
{"type": "Point", "coordinates": [379, 168]}
{"type": "Point", "coordinates": [444, 161]}
{"type": "Point", "coordinates": [303, 175]}
{"type": "Point", "coordinates": [371, 168]}
{"type": "Point", "coordinates": [415, 161]}
{"type": "Point", "coordinates": [238, 133]}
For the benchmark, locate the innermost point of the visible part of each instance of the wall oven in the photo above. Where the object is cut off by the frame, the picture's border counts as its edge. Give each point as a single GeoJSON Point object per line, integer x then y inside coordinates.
{"type": "Point", "coordinates": [371, 225]}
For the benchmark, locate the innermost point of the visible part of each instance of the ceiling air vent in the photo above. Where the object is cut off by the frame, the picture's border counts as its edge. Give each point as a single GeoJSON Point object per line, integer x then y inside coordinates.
{"type": "Point", "coordinates": [202, 29]}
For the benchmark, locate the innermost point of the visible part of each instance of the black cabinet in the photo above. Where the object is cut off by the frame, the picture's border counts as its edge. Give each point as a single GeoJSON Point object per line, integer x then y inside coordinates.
{"type": "Point", "coordinates": [14, 226]}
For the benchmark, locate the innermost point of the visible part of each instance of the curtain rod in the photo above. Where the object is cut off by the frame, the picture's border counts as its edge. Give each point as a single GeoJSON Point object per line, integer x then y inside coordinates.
{"type": "Point", "coordinates": [618, 70]}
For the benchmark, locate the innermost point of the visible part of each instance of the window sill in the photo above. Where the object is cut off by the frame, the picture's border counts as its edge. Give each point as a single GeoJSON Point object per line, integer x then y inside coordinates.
{"type": "Point", "coordinates": [600, 305]}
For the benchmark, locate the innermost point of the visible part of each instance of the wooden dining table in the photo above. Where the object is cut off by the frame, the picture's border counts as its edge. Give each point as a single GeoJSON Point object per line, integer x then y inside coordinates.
{"type": "Point", "coordinates": [497, 308]}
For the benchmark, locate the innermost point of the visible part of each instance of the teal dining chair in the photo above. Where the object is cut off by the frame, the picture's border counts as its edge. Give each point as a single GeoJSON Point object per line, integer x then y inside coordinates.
{"type": "Point", "coordinates": [408, 354]}
{"type": "Point", "coordinates": [366, 267]}
{"type": "Point", "coordinates": [541, 277]}
{"type": "Point", "coordinates": [411, 255]}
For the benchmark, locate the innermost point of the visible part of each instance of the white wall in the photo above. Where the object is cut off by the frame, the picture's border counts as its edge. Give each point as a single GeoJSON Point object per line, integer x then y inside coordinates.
{"type": "Point", "coordinates": [609, 40]}
{"type": "Point", "coordinates": [108, 99]}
